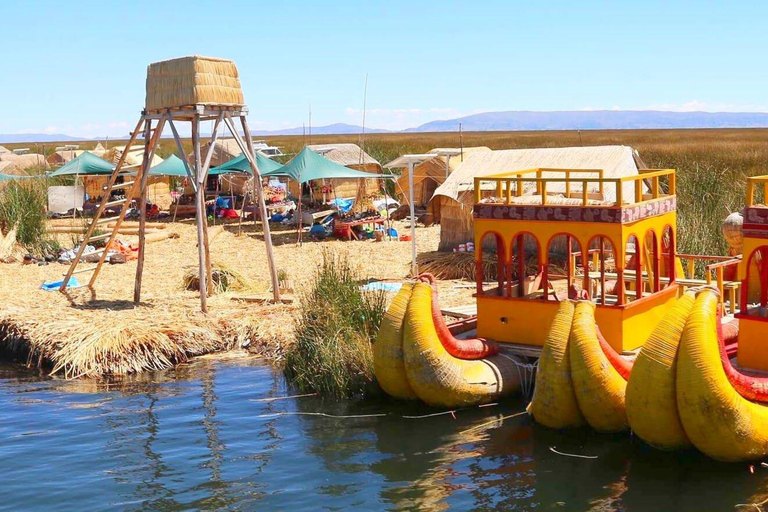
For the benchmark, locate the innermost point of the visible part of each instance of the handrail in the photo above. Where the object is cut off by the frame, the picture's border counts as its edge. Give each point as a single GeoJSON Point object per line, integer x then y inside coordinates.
{"type": "Point", "coordinates": [505, 181]}
{"type": "Point", "coordinates": [751, 182]}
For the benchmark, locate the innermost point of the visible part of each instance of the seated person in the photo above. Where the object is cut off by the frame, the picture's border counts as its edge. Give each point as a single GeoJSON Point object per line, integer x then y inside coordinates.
{"type": "Point", "coordinates": [318, 231]}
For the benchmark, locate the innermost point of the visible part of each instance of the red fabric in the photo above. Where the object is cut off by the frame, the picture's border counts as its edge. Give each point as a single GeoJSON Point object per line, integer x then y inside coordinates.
{"type": "Point", "coordinates": [470, 349]}
{"type": "Point", "coordinates": [228, 214]}
{"type": "Point", "coordinates": [751, 388]}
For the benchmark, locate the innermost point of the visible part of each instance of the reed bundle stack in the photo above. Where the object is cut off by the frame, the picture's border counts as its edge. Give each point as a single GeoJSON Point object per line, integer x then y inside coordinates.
{"type": "Point", "coordinates": [193, 80]}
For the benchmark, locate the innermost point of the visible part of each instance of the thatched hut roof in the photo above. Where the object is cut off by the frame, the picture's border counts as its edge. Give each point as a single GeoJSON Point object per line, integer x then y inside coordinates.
{"type": "Point", "coordinates": [3, 149]}
{"type": "Point", "coordinates": [433, 170]}
{"type": "Point", "coordinates": [63, 156]}
{"type": "Point", "coordinates": [224, 151]}
{"type": "Point", "coordinates": [25, 161]}
{"type": "Point", "coordinates": [98, 147]}
{"type": "Point", "coordinates": [135, 156]}
{"type": "Point", "coordinates": [455, 195]}
{"type": "Point", "coordinates": [348, 155]}
{"type": "Point", "coordinates": [9, 168]}
{"type": "Point", "coordinates": [615, 161]}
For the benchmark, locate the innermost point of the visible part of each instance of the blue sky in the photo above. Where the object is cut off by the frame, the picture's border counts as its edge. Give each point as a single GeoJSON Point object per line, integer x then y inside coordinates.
{"type": "Point", "coordinates": [79, 67]}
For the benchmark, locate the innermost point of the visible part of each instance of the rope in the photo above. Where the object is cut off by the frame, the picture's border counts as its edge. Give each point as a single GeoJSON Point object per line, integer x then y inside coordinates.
{"type": "Point", "coordinates": [527, 374]}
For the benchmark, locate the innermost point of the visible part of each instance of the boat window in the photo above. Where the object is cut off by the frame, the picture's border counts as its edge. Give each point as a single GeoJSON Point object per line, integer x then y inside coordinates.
{"type": "Point", "coordinates": [565, 268]}
{"type": "Point", "coordinates": [633, 270]}
{"type": "Point", "coordinates": [668, 264]}
{"type": "Point", "coordinates": [525, 267]}
{"type": "Point", "coordinates": [756, 282]}
{"type": "Point", "coordinates": [602, 270]}
{"type": "Point", "coordinates": [491, 272]}
{"type": "Point", "coordinates": [651, 279]}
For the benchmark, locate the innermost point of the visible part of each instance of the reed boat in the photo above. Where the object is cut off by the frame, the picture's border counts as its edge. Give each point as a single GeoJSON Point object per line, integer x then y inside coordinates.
{"type": "Point", "coordinates": [625, 331]}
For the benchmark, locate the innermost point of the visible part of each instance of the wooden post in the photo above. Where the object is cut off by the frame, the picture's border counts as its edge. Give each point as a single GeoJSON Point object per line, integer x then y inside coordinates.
{"type": "Point", "coordinates": [201, 217]}
{"type": "Point", "coordinates": [262, 208]}
{"type": "Point", "coordinates": [145, 164]}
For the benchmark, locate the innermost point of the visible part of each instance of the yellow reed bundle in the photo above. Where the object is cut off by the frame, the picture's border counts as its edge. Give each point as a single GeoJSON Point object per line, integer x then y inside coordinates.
{"type": "Point", "coordinates": [193, 80]}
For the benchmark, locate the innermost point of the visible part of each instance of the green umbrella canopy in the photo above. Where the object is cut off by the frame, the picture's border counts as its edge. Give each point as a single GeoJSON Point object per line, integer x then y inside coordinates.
{"type": "Point", "coordinates": [11, 177]}
{"type": "Point", "coordinates": [85, 164]}
{"type": "Point", "coordinates": [308, 166]}
{"type": "Point", "coordinates": [171, 166]}
{"type": "Point", "coordinates": [240, 164]}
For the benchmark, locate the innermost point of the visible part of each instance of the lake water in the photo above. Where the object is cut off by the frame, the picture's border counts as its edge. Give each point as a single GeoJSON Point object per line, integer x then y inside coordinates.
{"type": "Point", "coordinates": [203, 437]}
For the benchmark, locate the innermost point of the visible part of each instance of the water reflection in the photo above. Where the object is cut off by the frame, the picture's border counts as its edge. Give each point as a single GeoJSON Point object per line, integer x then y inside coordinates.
{"type": "Point", "coordinates": [202, 437]}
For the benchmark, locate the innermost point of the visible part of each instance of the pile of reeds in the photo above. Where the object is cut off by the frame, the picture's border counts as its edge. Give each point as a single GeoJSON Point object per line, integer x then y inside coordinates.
{"type": "Point", "coordinates": [332, 353]}
{"type": "Point", "coordinates": [85, 343]}
{"type": "Point", "coordinates": [223, 278]}
{"type": "Point", "coordinates": [193, 80]}
{"type": "Point", "coordinates": [457, 265]}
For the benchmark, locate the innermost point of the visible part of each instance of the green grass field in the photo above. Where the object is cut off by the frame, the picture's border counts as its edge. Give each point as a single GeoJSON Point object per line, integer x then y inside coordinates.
{"type": "Point", "coordinates": [711, 164]}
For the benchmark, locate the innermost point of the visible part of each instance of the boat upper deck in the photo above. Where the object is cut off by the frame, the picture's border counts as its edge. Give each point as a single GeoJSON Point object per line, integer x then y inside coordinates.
{"type": "Point", "coordinates": [576, 195]}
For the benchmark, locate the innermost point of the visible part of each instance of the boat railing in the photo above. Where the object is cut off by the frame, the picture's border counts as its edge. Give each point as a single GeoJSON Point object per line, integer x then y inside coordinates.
{"type": "Point", "coordinates": [714, 274]}
{"type": "Point", "coordinates": [752, 185]}
{"type": "Point", "coordinates": [513, 184]}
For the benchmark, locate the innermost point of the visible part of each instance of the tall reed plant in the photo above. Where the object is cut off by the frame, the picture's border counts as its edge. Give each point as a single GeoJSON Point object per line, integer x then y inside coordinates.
{"type": "Point", "coordinates": [333, 354]}
{"type": "Point", "coordinates": [22, 205]}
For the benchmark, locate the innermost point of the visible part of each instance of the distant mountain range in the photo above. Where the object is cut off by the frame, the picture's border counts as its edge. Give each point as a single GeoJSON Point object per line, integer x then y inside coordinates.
{"type": "Point", "coordinates": [331, 129]}
{"type": "Point", "coordinates": [596, 120]}
{"type": "Point", "coordinates": [517, 120]}
{"type": "Point", "coordinates": [36, 137]}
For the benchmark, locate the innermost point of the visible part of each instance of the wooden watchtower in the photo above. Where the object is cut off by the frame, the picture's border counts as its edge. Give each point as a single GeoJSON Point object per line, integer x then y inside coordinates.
{"type": "Point", "coordinates": [184, 90]}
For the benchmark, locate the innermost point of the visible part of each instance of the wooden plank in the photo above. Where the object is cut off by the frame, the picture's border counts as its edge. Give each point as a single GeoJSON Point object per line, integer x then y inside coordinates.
{"type": "Point", "coordinates": [465, 311]}
{"type": "Point", "coordinates": [261, 300]}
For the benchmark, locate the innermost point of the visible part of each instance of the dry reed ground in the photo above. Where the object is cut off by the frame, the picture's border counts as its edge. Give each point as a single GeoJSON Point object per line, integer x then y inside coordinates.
{"type": "Point", "coordinates": [110, 336]}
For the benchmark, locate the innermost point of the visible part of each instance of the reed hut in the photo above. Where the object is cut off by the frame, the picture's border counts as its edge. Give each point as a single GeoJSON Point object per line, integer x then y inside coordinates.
{"type": "Point", "coordinates": [25, 161]}
{"type": "Point", "coordinates": [99, 150]}
{"type": "Point", "coordinates": [456, 194]}
{"type": "Point", "coordinates": [352, 156]}
{"type": "Point", "coordinates": [158, 187]}
{"type": "Point", "coordinates": [61, 157]}
{"type": "Point", "coordinates": [429, 175]}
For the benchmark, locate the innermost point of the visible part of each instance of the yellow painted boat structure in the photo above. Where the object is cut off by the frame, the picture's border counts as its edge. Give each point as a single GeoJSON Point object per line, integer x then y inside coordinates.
{"type": "Point", "coordinates": [576, 261]}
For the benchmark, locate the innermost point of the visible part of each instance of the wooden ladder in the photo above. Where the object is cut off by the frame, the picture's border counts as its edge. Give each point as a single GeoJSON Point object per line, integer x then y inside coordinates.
{"type": "Point", "coordinates": [137, 185]}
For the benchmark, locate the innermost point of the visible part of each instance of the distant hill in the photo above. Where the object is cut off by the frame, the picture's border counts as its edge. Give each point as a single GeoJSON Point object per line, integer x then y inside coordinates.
{"type": "Point", "coordinates": [36, 137]}
{"type": "Point", "coordinates": [596, 120]}
{"type": "Point", "coordinates": [516, 120]}
{"type": "Point", "coordinates": [331, 129]}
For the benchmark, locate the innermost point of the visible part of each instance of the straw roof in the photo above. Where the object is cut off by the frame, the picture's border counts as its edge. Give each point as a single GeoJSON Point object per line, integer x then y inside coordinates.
{"type": "Point", "coordinates": [64, 156]}
{"type": "Point", "coordinates": [3, 149]}
{"type": "Point", "coordinates": [346, 154]}
{"type": "Point", "coordinates": [615, 161]}
{"type": "Point", "coordinates": [24, 161]}
{"type": "Point", "coordinates": [434, 170]}
{"type": "Point", "coordinates": [193, 80]}
{"type": "Point", "coordinates": [98, 147]}
{"type": "Point", "coordinates": [135, 156]}
{"type": "Point", "coordinates": [224, 151]}
{"type": "Point", "coordinates": [9, 168]}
